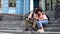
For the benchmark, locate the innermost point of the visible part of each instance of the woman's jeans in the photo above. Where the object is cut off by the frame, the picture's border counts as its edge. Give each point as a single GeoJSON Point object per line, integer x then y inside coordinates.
{"type": "Point", "coordinates": [40, 23]}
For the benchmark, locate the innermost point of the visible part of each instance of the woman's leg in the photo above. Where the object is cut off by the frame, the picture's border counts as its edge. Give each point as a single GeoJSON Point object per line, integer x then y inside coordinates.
{"type": "Point", "coordinates": [40, 24]}
{"type": "Point", "coordinates": [44, 22]}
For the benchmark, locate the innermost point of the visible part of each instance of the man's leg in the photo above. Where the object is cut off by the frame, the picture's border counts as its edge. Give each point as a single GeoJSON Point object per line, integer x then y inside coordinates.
{"type": "Point", "coordinates": [34, 24]}
{"type": "Point", "coordinates": [27, 24]}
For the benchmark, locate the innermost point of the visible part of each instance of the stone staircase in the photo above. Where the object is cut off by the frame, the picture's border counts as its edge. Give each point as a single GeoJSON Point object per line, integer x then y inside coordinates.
{"type": "Point", "coordinates": [13, 25]}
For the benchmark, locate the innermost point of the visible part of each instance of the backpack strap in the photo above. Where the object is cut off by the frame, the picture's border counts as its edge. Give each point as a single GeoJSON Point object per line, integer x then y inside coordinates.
{"type": "Point", "coordinates": [46, 15]}
{"type": "Point", "coordinates": [32, 15]}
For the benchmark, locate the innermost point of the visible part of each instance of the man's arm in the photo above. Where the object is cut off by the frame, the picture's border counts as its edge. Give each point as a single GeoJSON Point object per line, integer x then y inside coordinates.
{"type": "Point", "coordinates": [30, 15]}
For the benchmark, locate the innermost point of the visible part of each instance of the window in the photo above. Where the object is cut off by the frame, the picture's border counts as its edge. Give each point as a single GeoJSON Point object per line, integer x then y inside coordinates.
{"type": "Point", "coordinates": [47, 3]}
{"type": "Point", "coordinates": [0, 3]}
{"type": "Point", "coordinates": [12, 3]}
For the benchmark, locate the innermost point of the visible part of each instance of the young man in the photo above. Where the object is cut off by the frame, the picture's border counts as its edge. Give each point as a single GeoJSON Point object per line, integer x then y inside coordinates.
{"type": "Point", "coordinates": [30, 20]}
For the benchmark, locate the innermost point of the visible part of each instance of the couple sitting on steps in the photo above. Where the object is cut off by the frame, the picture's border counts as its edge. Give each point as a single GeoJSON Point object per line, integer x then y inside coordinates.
{"type": "Point", "coordinates": [38, 18]}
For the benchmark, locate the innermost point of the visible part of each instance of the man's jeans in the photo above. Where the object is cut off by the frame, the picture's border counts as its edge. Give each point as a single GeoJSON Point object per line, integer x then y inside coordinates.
{"type": "Point", "coordinates": [40, 23]}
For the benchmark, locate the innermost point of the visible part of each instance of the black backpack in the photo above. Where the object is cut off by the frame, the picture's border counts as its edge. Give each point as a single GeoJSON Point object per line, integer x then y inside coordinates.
{"type": "Point", "coordinates": [48, 17]}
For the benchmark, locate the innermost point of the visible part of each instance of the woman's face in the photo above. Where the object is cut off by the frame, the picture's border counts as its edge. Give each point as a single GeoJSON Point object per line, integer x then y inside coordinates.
{"type": "Point", "coordinates": [39, 12]}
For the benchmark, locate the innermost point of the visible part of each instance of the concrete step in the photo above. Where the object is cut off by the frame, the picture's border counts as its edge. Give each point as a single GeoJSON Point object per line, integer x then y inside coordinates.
{"type": "Point", "coordinates": [53, 22]}
{"type": "Point", "coordinates": [47, 29]}
{"type": "Point", "coordinates": [12, 28]}
{"type": "Point", "coordinates": [52, 29]}
{"type": "Point", "coordinates": [26, 32]}
{"type": "Point", "coordinates": [47, 25]}
{"type": "Point", "coordinates": [12, 23]}
{"type": "Point", "coordinates": [12, 18]}
{"type": "Point", "coordinates": [52, 19]}
{"type": "Point", "coordinates": [50, 13]}
{"type": "Point", "coordinates": [52, 25]}
{"type": "Point", "coordinates": [5, 33]}
{"type": "Point", "coordinates": [16, 18]}
{"type": "Point", "coordinates": [46, 33]}
{"type": "Point", "coordinates": [22, 23]}
{"type": "Point", "coordinates": [11, 31]}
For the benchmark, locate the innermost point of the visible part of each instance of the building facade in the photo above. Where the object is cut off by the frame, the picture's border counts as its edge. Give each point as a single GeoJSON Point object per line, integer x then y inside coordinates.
{"type": "Point", "coordinates": [48, 5]}
{"type": "Point", "coordinates": [25, 6]}
{"type": "Point", "coordinates": [15, 6]}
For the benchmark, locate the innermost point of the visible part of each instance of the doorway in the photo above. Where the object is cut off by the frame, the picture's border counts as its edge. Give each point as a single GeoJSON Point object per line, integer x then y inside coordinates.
{"type": "Point", "coordinates": [50, 5]}
{"type": "Point", "coordinates": [36, 3]}
{"type": "Point", "coordinates": [1, 2]}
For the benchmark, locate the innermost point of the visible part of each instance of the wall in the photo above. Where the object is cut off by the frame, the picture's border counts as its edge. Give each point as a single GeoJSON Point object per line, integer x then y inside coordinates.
{"type": "Point", "coordinates": [19, 9]}
{"type": "Point", "coordinates": [5, 6]}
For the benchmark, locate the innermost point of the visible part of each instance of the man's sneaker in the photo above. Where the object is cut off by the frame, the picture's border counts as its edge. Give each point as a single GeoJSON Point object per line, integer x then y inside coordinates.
{"type": "Point", "coordinates": [26, 29]}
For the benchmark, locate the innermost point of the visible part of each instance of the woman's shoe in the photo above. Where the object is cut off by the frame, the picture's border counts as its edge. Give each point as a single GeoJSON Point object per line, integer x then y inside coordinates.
{"type": "Point", "coordinates": [40, 30]}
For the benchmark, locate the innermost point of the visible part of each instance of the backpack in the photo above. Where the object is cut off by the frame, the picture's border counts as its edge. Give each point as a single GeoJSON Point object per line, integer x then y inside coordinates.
{"type": "Point", "coordinates": [48, 17]}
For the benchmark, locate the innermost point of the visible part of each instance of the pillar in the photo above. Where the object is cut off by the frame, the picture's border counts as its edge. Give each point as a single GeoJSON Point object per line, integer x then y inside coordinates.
{"type": "Point", "coordinates": [43, 5]}
{"type": "Point", "coordinates": [19, 6]}
{"type": "Point", "coordinates": [27, 6]}
{"type": "Point", "coordinates": [50, 5]}
{"type": "Point", "coordinates": [31, 5]}
{"type": "Point", "coordinates": [5, 6]}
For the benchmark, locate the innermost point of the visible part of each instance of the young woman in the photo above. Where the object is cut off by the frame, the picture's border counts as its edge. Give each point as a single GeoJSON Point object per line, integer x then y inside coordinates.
{"type": "Point", "coordinates": [41, 19]}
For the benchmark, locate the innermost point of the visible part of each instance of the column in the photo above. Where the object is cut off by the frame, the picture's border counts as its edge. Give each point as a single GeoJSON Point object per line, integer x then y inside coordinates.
{"type": "Point", "coordinates": [54, 3]}
{"type": "Point", "coordinates": [50, 5]}
{"type": "Point", "coordinates": [27, 6]}
{"type": "Point", "coordinates": [43, 5]}
{"type": "Point", "coordinates": [31, 5]}
{"type": "Point", "coordinates": [19, 6]}
{"type": "Point", "coordinates": [5, 6]}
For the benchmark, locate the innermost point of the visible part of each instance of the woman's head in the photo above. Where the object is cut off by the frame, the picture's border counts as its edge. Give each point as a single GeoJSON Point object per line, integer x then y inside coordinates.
{"type": "Point", "coordinates": [38, 11]}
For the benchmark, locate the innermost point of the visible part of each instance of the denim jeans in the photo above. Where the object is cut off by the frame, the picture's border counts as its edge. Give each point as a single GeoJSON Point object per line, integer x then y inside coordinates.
{"type": "Point", "coordinates": [40, 23]}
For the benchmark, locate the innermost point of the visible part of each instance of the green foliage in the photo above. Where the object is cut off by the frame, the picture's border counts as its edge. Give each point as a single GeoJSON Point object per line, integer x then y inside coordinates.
{"type": "Point", "coordinates": [13, 2]}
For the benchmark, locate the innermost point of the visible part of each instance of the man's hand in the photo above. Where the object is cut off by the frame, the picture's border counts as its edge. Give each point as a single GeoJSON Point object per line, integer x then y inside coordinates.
{"type": "Point", "coordinates": [36, 19]}
{"type": "Point", "coordinates": [30, 18]}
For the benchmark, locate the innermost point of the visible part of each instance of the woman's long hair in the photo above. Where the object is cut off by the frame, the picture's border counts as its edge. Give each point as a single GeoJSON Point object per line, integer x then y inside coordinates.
{"type": "Point", "coordinates": [38, 9]}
